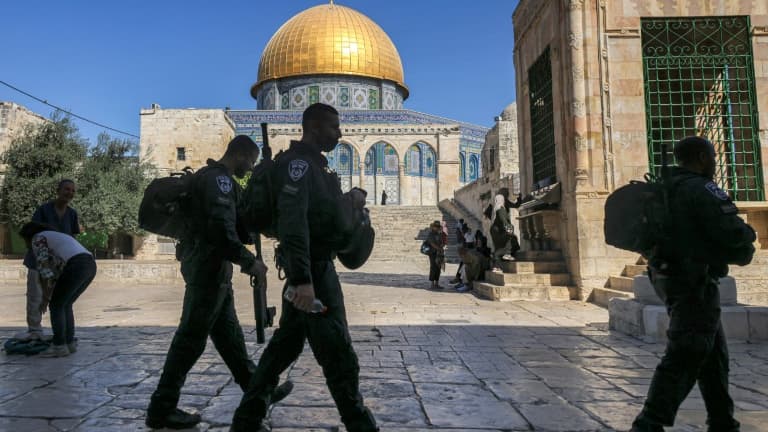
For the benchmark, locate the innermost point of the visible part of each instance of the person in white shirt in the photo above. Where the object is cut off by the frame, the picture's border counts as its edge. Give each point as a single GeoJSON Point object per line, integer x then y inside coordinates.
{"type": "Point", "coordinates": [65, 269]}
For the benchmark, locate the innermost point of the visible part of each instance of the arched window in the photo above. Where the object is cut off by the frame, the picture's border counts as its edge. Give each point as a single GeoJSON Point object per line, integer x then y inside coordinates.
{"type": "Point", "coordinates": [341, 159]}
{"type": "Point", "coordinates": [381, 159]}
{"type": "Point", "coordinates": [473, 167]}
{"type": "Point", "coordinates": [413, 161]}
{"type": "Point", "coordinates": [430, 162]}
{"type": "Point", "coordinates": [462, 167]}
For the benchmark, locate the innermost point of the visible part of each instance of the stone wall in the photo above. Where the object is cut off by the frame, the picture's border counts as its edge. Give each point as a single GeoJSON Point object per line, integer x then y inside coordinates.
{"type": "Point", "coordinates": [202, 133]}
{"type": "Point", "coordinates": [476, 196]}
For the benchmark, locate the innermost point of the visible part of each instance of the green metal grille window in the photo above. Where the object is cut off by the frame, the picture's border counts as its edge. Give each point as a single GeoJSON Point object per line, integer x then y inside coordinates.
{"type": "Point", "coordinates": [700, 80]}
{"type": "Point", "coordinates": [542, 130]}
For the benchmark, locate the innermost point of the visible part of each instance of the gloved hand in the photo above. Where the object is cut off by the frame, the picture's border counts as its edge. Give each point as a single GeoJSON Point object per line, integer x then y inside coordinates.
{"type": "Point", "coordinates": [258, 269]}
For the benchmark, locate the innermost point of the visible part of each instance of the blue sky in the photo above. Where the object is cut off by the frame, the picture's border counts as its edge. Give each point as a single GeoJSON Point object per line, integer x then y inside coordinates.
{"type": "Point", "coordinates": [105, 60]}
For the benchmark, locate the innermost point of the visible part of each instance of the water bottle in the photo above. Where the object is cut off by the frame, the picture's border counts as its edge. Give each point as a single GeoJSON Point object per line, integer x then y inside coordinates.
{"type": "Point", "coordinates": [317, 305]}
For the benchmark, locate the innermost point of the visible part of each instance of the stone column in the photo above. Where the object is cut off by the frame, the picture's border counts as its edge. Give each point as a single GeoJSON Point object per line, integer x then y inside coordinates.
{"type": "Point", "coordinates": [578, 92]}
{"type": "Point", "coordinates": [362, 175]}
{"type": "Point", "coordinates": [400, 181]}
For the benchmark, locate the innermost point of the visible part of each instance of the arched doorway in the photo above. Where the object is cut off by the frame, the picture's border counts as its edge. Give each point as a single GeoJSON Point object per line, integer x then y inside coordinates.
{"type": "Point", "coordinates": [345, 161]}
{"type": "Point", "coordinates": [382, 173]}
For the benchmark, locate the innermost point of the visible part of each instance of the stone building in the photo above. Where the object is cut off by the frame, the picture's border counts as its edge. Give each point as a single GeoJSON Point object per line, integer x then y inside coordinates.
{"type": "Point", "coordinates": [602, 85]}
{"type": "Point", "coordinates": [500, 170]}
{"type": "Point", "coordinates": [335, 55]}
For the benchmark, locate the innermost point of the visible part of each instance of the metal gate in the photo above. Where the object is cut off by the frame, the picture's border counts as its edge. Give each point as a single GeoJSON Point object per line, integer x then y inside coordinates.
{"type": "Point", "coordinates": [542, 128]}
{"type": "Point", "coordinates": [699, 79]}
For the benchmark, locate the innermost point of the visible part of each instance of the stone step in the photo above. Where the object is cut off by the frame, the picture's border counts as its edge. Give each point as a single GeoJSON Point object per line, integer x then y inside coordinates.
{"type": "Point", "coordinates": [634, 270]}
{"type": "Point", "coordinates": [753, 298]}
{"type": "Point", "coordinates": [621, 283]}
{"type": "Point", "coordinates": [533, 279]}
{"type": "Point", "coordinates": [517, 292]}
{"type": "Point", "coordinates": [539, 255]}
{"type": "Point", "coordinates": [534, 267]}
{"type": "Point", "coordinates": [602, 296]}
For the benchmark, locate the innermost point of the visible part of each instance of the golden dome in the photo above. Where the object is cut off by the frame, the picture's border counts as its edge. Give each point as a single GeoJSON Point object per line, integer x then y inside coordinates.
{"type": "Point", "coordinates": [330, 39]}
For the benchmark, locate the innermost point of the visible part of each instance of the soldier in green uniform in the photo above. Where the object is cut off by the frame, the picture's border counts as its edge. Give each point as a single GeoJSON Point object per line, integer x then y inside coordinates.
{"type": "Point", "coordinates": [705, 235]}
{"type": "Point", "coordinates": [310, 205]}
{"type": "Point", "coordinates": [206, 258]}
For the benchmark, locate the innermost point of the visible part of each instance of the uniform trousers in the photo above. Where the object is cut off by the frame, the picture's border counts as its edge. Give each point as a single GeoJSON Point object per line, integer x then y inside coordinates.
{"type": "Point", "coordinates": [696, 352]}
{"type": "Point", "coordinates": [331, 344]}
{"type": "Point", "coordinates": [208, 310]}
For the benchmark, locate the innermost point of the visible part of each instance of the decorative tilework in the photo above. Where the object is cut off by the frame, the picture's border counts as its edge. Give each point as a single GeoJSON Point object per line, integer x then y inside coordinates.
{"type": "Point", "coordinates": [472, 136]}
{"type": "Point", "coordinates": [342, 159]}
{"type": "Point", "coordinates": [328, 95]}
{"type": "Point", "coordinates": [285, 101]}
{"type": "Point", "coordinates": [359, 99]}
{"type": "Point", "coordinates": [343, 97]}
{"type": "Point", "coordinates": [473, 167]}
{"type": "Point", "coordinates": [269, 100]}
{"type": "Point", "coordinates": [299, 98]}
{"type": "Point", "coordinates": [389, 100]}
{"type": "Point", "coordinates": [314, 94]}
{"type": "Point", "coordinates": [420, 161]}
{"type": "Point", "coordinates": [373, 99]}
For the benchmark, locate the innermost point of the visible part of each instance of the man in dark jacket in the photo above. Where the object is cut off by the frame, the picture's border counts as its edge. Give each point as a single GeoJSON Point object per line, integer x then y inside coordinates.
{"type": "Point", "coordinates": [311, 228]}
{"type": "Point", "coordinates": [705, 235]}
{"type": "Point", "coordinates": [206, 258]}
{"type": "Point", "coordinates": [58, 214]}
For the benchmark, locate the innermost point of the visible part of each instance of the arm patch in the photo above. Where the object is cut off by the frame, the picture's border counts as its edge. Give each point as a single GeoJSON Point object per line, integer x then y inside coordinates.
{"type": "Point", "coordinates": [297, 168]}
{"type": "Point", "coordinates": [716, 191]}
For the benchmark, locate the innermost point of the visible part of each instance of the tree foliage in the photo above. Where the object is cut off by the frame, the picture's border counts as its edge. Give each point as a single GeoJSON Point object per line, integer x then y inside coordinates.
{"type": "Point", "coordinates": [111, 185]}
{"type": "Point", "coordinates": [37, 160]}
{"type": "Point", "coordinates": [110, 177]}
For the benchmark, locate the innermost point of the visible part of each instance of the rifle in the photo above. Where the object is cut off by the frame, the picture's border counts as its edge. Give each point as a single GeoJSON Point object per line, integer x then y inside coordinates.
{"type": "Point", "coordinates": [264, 314]}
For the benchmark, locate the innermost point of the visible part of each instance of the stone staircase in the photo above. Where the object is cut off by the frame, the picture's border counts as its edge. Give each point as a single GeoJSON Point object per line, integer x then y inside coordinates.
{"type": "Point", "coordinates": [535, 275]}
{"type": "Point", "coordinates": [457, 211]}
{"type": "Point", "coordinates": [400, 230]}
{"type": "Point", "coordinates": [752, 282]}
{"type": "Point", "coordinates": [619, 286]}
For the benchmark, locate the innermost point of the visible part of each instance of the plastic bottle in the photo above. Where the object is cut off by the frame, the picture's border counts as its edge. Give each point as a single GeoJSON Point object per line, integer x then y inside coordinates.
{"type": "Point", "coordinates": [317, 305]}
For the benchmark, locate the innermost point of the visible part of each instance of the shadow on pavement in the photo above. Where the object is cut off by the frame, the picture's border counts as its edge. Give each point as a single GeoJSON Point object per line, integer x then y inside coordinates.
{"type": "Point", "coordinates": [414, 378]}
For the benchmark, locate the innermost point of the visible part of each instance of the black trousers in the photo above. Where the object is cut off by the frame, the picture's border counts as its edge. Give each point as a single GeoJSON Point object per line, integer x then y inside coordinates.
{"type": "Point", "coordinates": [329, 338]}
{"type": "Point", "coordinates": [434, 268]}
{"type": "Point", "coordinates": [77, 274]}
{"type": "Point", "coordinates": [209, 310]}
{"type": "Point", "coordinates": [691, 356]}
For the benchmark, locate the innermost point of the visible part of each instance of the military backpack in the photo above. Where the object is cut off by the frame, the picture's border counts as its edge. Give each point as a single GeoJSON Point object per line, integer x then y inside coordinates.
{"type": "Point", "coordinates": [167, 205]}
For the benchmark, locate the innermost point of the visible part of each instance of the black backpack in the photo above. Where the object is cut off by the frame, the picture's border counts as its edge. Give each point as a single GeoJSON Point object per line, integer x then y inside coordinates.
{"type": "Point", "coordinates": [167, 205]}
{"type": "Point", "coordinates": [257, 205]}
{"type": "Point", "coordinates": [27, 347]}
{"type": "Point", "coordinates": [636, 215]}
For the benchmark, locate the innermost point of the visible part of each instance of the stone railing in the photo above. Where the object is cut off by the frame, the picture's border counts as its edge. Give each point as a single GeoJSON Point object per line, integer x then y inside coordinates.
{"type": "Point", "coordinates": [540, 230]}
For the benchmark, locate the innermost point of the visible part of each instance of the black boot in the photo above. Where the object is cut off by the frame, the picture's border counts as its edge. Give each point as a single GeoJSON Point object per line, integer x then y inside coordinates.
{"type": "Point", "coordinates": [281, 392]}
{"type": "Point", "coordinates": [176, 419]}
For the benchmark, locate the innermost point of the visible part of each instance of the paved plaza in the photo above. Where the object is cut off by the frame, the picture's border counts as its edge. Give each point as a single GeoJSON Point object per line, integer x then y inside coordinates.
{"type": "Point", "coordinates": [429, 361]}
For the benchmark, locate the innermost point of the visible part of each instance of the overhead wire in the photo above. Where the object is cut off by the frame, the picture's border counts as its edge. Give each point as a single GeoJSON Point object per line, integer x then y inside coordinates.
{"type": "Point", "coordinates": [43, 101]}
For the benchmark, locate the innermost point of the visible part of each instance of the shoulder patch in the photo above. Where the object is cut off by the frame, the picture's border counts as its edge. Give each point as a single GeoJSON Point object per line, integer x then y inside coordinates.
{"type": "Point", "coordinates": [225, 183]}
{"type": "Point", "coordinates": [297, 168]}
{"type": "Point", "coordinates": [716, 191]}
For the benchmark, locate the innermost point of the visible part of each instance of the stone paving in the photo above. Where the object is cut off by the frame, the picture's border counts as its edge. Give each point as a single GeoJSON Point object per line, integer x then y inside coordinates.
{"type": "Point", "coordinates": [429, 361]}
